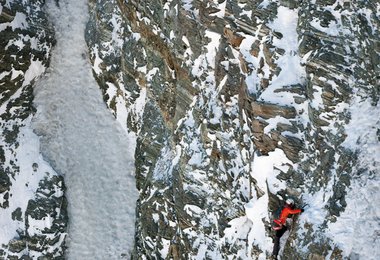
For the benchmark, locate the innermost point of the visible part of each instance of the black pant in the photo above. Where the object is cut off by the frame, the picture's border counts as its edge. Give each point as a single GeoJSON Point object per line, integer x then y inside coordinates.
{"type": "Point", "coordinates": [279, 234]}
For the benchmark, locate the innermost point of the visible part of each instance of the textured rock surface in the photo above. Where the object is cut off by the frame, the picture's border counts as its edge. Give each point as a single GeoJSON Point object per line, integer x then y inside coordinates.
{"type": "Point", "coordinates": [227, 84]}
{"type": "Point", "coordinates": [216, 91]}
{"type": "Point", "coordinates": [31, 194]}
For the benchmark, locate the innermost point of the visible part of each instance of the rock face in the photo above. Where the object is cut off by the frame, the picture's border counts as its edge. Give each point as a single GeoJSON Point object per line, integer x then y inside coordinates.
{"type": "Point", "coordinates": [219, 90]}
{"type": "Point", "coordinates": [32, 204]}
{"type": "Point", "coordinates": [237, 105]}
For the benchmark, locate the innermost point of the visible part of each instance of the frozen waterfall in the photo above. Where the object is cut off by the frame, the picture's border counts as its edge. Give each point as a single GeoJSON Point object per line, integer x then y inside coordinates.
{"type": "Point", "coordinates": [83, 142]}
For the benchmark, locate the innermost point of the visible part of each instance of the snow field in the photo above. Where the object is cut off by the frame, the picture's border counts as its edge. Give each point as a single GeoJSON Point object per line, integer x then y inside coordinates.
{"type": "Point", "coordinates": [83, 142]}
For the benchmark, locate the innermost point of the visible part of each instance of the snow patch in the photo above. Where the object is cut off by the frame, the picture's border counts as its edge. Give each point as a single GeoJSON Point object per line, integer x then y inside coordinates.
{"type": "Point", "coordinates": [165, 247]}
{"type": "Point", "coordinates": [222, 10]}
{"type": "Point", "coordinates": [19, 22]}
{"type": "Point", "coordinates": [97, 61]}
{"type": "Point", "coordinates": [332, 29]}
{"type": "Point", "coordinates": [292, 72]}
{"type": "Point", "coordinates": [264, 171]}
{"type": "Point", "coordinates": [35, 69]}
{"type": "Point", "coordinates": [165, 164]}
{"type": "Point", "coordinates": [208, 59]}
{"type": "Point", "coordinates": [187, 4]}
{"type": "Point", "coordinates": [273, 122]}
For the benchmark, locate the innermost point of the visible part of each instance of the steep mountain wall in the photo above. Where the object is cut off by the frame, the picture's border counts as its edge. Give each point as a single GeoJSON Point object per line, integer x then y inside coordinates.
{"type": "Point", "coordinates": [33, 215]}
{"type": "Point", "coordinates": [237, 105]}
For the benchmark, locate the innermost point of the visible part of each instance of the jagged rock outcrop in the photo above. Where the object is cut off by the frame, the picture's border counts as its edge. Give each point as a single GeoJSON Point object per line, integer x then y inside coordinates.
{"type": "Point", "coordinates": [216, 91]}
{"type": "Point", "coordinates": [32, 203]}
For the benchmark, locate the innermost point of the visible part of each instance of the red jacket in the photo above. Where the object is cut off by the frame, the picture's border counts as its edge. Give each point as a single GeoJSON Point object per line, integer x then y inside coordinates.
{"type": "Point", "coordinates": [285, 213]}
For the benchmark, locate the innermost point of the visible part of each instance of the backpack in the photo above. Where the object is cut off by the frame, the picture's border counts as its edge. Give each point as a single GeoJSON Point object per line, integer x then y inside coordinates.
{"type": "Point", "coordinates": [277, 212]}
{"type": "Point", "coordinates": [276, 215]}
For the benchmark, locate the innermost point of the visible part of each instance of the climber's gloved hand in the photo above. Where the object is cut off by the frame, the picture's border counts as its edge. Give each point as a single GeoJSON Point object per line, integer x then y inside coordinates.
{"type": "Point", "coordinates": [302, 210]}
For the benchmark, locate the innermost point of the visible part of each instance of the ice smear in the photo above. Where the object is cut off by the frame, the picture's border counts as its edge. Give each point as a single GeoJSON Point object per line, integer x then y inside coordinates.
{"type": "Point", "coordinates": [292, 72]}
{"type": "Point", "coordinates": [84, 142]}
{"type": "Point", "coordinates": [357, 230]}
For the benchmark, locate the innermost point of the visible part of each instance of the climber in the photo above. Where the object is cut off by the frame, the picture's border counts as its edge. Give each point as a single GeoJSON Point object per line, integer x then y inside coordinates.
{"type": "Point", "coordinates": [281, 227]}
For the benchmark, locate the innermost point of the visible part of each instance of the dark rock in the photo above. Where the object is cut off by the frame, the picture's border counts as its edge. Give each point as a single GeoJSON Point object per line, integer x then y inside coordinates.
{"type": "Point", "coordinates": [17, 214]}
{"type": "Point", "coordinates": [16, 246]}
{"type": "Point", "coordinates": [4, 181]}
{"type": "Point", "coordinates": [267, 111]}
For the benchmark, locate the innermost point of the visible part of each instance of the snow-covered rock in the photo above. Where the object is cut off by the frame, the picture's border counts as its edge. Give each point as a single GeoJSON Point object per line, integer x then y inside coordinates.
{"type": "Point", "coordinates": [244, 104]}
{"type": "Point", "coordinates": [33, 216]}
{"type": "Point", "coordinates": [236, 106]}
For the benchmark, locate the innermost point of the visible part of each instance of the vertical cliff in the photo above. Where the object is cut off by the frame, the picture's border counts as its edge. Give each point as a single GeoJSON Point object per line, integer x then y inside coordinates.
{"type": "Point", "coordinates": [33, 215]}
{"type": "Point", "coordinates": [237, 105]}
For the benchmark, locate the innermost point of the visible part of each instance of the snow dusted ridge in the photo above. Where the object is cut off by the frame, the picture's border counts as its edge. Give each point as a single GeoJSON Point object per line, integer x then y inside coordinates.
{"type": "Point", "coordinates": [83, 142]}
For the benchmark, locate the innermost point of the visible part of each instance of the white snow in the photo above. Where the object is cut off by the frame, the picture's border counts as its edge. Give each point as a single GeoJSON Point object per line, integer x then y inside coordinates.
{"type": "Point", "coordinates": [246, 46]}
{"type": "Point", "coordinates": [332, 30]}
{"type": "Point", "coordinates": [188, 53]}
{"type": "Point", "coordinates": [290, 63]}
{"type": "Point", "coordinates": [317, 101]}
{"type": "Point", "coordinates": [208, 59]}
{"type": "Point", "coordinates": [18, 22]}
{"type": "Point", "coordinates": [165, 164]}
{"type": "Point", "coordinates": [264, 4]}
{"type": "Point", "coordinates": [152, 73]}
{"type": "Point", "coordinates": [97, 60]}
{"type": "Point", "coordinates": [187, 4]}
{"type": "Point", "coordinates": [252, 80]}
{"type": "Point", "coordinates": [264, 171]}
{"type": "Point", "coordinates": [16, 73]}
{"type": "Point", "coordinates": [25, 181]}
{"type": "Point", "coordinates": [257, 211]}
{"type": "Point", "coordinates": [185, 40]}
{"type": "Point", "coordinates": [273, 122]}
{"type": "Point", "coordinates": [136, 36]}
{"type": "Point", "coordinates": [222, 9]}
{"type": "Point", "coordinates": [83, 141]}
{"type": "Point", "coordinates": [36, 68]}
{"type": "Point", "coordinates": [165, 250]}
{"type": "Point", "coordinates": [24, 184]}
{"type": "Point", "coordinates": [117, 30]}
{"type": "Point", "coordinates": [357, 229]}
